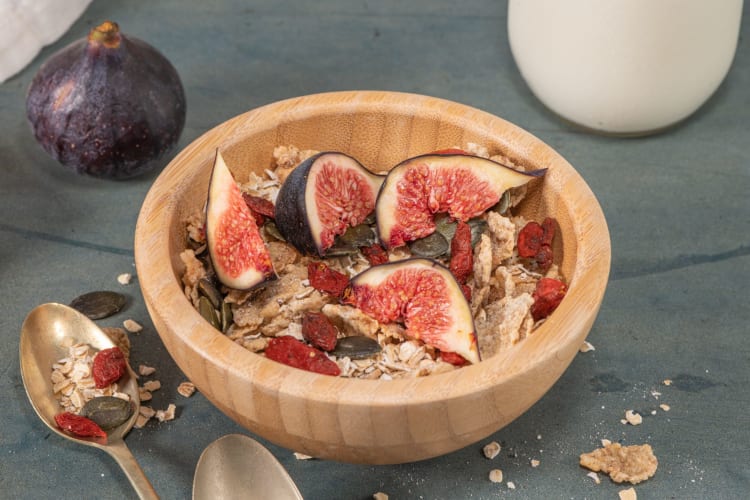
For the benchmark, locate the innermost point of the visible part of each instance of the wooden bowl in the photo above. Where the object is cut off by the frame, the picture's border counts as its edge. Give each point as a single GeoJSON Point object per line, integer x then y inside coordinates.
{"type": "Point", "coordinates": [369, 421]}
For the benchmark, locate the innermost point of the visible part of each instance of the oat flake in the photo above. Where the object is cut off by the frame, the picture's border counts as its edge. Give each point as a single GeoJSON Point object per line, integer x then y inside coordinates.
{"type": "Point", "coordinates": [496, 476]}
{"type": "Point", "coordinates": [132, 326]}
{"type": "Point", "coordinates": [124, 278]}
{"type": "Point", "coordinates": [491, 450]}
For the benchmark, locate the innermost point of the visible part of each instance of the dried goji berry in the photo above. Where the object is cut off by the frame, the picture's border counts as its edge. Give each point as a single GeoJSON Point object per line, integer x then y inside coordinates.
{"type": "Point", "coordinates": [375, 254]}
{"type": "Point", "coordinates": [543, 258]}
{"type": "Point", "coordinates": [530, 239]}
{"type": "Point", "coordinates": [462, 255]}
{"type": "Point", "coordinates": [109, 365]}
{"type": "Point", "coordinates": [318, 330]}
{"type": "Point", "coordinates": [548, 230]}
{"type": "Point", "coordinates": [78, 425]}
{"type": "Point", "coordinates": [261, 208]}
{"type": "Point", "coordinates": [259, 205]}
{"type": "Point", "coordinates": [290, 351]}
{"type": "Point", "coordinates": [325, 279]}
{"type": "Point", "coordinates": [547, 296]}
{"type": "Point", "coordinates": [453, 358]}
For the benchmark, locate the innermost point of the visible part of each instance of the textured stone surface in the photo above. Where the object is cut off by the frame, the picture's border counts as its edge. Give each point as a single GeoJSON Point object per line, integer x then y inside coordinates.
{"type": "Point", "coordinates": [676, 308]}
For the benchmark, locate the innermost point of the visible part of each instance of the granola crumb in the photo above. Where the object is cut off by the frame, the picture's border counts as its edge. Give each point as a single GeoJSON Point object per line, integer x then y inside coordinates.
{"type": "Point", "coordinates": [166, 415]}
{"type": "Point", "coordinates": [631, 464]}
{"type": "Point", "coordinates": [302, 456]}
{"type": "Point", "coordinates": [665, 407]}
{"type": "Point", "coordinates": [633, 418]}
{"type": "Point", "coordinates": [595, 477]}
{"type": "Point", "coordinates": [141, 421]}
{"type": "Point", "coordinates": [511, 485]}
{"type": "Point", "coordinates": [534, 462]}
{"type": "Point", "coordinates": [146, 370]}
{"type": "Point", "coordinates": [628, 494]}
{"type": "Point", "coordinates": [152, 385]}
{"type": "Point", "coordinates": [491, 450]}
{"type": "Point", "coordinates": [586, 347]}
{"type": "Point", "coordinates": [496, 476]}
{"type": "Point", "coordinates": [144, 394]}
{"type": "Point", "coordinates": [667, 381]}
{"type": "Point", "coordinates": [380, 496]}
{"type": "Point", "coordinates": [132, 326]}
{"type": "Point", "coordinates": [186, 389]}
{"type": "Point", "coordinates": [124, 278]}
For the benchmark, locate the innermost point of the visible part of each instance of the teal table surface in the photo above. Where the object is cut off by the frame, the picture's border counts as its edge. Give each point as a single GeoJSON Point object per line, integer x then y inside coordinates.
{"type": "Point", "coordinates": [676, 305]}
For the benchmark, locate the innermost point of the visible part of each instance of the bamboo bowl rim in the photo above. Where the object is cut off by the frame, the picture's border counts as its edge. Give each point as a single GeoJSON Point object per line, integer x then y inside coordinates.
{"type": "Point", "coordinates": [159, 267]}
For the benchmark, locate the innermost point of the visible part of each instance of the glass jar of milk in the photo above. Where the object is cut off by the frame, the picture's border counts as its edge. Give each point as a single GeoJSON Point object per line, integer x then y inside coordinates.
{"type": "Point", "coordinates": [625, 67]}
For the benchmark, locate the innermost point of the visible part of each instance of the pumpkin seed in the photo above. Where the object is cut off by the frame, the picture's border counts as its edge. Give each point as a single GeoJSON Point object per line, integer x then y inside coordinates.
{"type": "Point", "coordinates": [503, 205]}
{"type": "Point", "coordinates": [107, 411]}
{"type": "Point", "coordinates": [356, 347]}
{"type": "Point", "coordinates": [226, 316]}
{"type": "Point", "coordinates": [433, 245]}
{"type": "Point", "coordinates": [445, 226]}
{"type": "Point", "coordinates": [357, 236]}
{"type": "Point", "coordinates": [478, 226]}
{"type": "Point", "coordinates": [208, 290]}
{"type": "Point", "coordinates": [208, 312]}
{"type": "Point", "coordinates": [100, 304]}
{"type": "Point", "coordinates": [273, 231]}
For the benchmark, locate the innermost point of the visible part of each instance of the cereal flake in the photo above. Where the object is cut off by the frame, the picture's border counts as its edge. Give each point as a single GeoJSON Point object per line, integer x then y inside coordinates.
{"type": "Point", "coordinates": [631, 464]}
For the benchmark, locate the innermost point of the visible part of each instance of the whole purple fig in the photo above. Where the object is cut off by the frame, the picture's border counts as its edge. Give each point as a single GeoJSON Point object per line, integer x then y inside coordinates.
{"type": "Point", "coordinates": [108, 105]}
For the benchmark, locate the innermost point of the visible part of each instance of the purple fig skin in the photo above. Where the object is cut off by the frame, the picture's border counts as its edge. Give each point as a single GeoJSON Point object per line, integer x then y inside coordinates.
{"type": "Point", "coordinates": [108, 106]}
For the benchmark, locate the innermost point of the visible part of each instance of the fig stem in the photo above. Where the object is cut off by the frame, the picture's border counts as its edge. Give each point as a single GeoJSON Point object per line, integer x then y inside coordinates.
{"type": "Point", "coordinates": [106, 34]}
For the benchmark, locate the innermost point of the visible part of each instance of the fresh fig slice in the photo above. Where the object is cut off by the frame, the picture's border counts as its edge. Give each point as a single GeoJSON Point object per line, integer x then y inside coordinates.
{"type": "Point", "coordinates": [423, 295]}
{"type": "Point", "coordinates": [238, 253]}
{"type": "Point", "coordinates": [322, 197]}
{"type": "Point", "coordinates": [462, 185]}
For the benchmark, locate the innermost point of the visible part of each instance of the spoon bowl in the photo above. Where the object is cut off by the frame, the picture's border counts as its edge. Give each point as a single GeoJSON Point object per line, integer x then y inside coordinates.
{"type": "Point", "coordinates": [237, 466]}
{"type": "Point", "coordinates": [45, 333]}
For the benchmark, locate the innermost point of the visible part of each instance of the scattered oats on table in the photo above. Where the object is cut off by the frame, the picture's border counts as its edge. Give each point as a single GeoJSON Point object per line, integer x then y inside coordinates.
{"type": "Point", "coordinates": [132, 326]}
{"type": "Point", "coordinates": [628, 494]}
{"type": "Point", "coordinates": [166, 415]}
{"type": "Point", "coordinates": [534, 462]}
{"type": "Point", "coordinates": [511, 485]}
{"type": "Point", "coordinates": [631, 464]}
{"type": "Point", "coordinates": [665, 407]}
{"type": "Point", "coordinates": [491, 450]}
{"type": "Point", "coordinates": [302, 456]}
{"type": "Point", "coordinates": [146, 370]}
{"type": "Point", "coordinates": [496, 476]}
{"type": "Point", "coordinates": [587, 347]}
{"type": "Point", "coordinates": [380, 496]}
{"type": "Point", "coordinates": [186, 389]}
{"type": "Point", "coordinates": [633, 418]}
{"type": "Point", "coordinates": [152, 385]}
{"type": "Point", "coordinates": [595, 477]}
{"type": "Point", "coordinates": [124, 278]}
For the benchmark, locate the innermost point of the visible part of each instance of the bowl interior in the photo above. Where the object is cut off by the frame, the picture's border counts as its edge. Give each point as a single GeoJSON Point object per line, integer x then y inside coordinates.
{"type": "Point", "coordinates": [380, 129]}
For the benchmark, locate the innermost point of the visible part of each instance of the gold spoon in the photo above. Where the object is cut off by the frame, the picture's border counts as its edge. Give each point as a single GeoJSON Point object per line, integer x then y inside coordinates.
{"type": "Point", "coordinates": [44, 335]}
{"type": "Point", "coordinates": [236, 466]}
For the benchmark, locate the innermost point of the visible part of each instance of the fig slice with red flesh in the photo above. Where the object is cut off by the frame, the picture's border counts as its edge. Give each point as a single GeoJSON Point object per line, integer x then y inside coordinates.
{"type": "Point", "coordinates": [462, 185]}
{"type": "Point", "coordinates": [423, 295]}
{"type": "Point", "coordinates": [238, 253]}
{"type": "Point", "coordinates": [322, 197]}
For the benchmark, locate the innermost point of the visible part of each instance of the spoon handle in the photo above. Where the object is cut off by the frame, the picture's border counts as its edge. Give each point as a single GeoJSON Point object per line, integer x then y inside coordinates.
{"type": "Point", "coordinates": [120, 452]}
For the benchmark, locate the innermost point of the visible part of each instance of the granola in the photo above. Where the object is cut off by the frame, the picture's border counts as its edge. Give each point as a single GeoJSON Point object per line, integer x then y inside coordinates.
{"type": "Point", "coordinates": [631, 464]}
{"type": "Point", "coordinates": [501, 286]}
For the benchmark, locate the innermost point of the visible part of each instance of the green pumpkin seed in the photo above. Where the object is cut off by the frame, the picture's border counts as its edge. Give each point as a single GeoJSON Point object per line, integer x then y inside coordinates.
{"type": "Point", "coordinates": [503, 205]}
{"type": "Point", "coordinates": [208, 312]}
{"type": "Point", "coordinates": [208, 290]}
{"type": "Point", "coordinates": [107, 411]}
{"type": "Point", "coordinates": [433, 245]}
{"type": "Point", "coordinates": [356, 347]}
{"type": "Point", "coordinates": [226, 316]}
{"type": "Point", "coordinates": [445, 226]}
{"type": "Point", "coordinates": [100, 304]}
{"type": "Point", "coordinates": [273, 231]}
{"type": "Point", "coordinates": [357, 236]}
{"type": "Point", "coordinates": [478, 226]}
